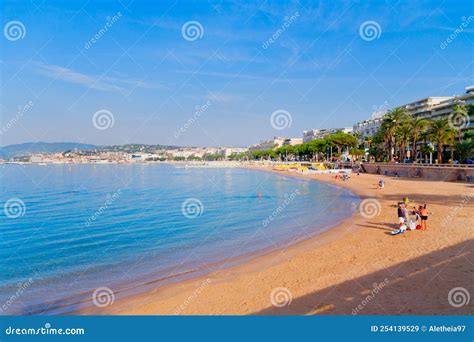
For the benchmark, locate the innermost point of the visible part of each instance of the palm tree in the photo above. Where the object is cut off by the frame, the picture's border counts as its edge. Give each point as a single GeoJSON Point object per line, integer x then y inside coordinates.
{"type": "Point", "coordinates": [460, 113]}
{"type": "Point", "coordinates": [403, 134]}
{"type": "Point", "coordinates": [425, 136]}
{"type": "Point", "coordinates": [418, 126]}
{"type": "Point", "coordinates": [368, 140]}
{"type": "Point", "coordinates": [440, 131]}
{"type": "Point", "coordinates": [391, 121]}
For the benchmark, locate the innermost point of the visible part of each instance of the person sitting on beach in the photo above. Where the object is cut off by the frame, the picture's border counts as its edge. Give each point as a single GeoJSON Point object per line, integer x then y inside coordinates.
{"type": "Point", "coordinates": [381, 183]}
{"type": "Point", "coordinates": [424, 217]}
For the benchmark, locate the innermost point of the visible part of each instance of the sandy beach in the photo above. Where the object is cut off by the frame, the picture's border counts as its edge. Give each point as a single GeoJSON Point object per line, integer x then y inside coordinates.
{"type": "Point", "coordinates": [355, 268]}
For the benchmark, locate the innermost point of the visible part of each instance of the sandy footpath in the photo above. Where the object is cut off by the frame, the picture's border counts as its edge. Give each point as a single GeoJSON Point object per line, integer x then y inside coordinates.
{"type": "Point", "coordinates": [355, 268]}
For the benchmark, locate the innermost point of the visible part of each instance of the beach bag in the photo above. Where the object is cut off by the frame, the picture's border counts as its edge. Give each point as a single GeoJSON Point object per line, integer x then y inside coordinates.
{"type": "Point", "coordinates": [418, 227]}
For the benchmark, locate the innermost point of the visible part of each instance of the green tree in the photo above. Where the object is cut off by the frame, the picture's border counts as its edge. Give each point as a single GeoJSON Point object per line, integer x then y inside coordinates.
{"type": "Point", "coordinates": [460, 112]}
{"type": "Point", "coordinates": [403, 135]}
{"type": "Point", "coordinates": [465, 150]}
{"type": "Point", "coordinates": [418, 126]}
{"type": "Point", "coordinates": [341, 140]}
{"type": "Point", "coordinates": [441, 132]}
{"type": "Point", "coordinates": [390, 123]}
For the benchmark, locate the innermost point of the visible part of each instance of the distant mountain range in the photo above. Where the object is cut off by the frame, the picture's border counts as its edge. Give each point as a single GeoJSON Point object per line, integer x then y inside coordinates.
{"type": "Point", "coordinates": [26, 149]}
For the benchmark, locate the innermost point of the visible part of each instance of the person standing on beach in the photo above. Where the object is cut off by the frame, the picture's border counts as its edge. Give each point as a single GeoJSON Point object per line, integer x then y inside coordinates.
{"type": "Point", "coordinates": [402, 213]}
{"type": "Point", "coordinates": [424, 217]}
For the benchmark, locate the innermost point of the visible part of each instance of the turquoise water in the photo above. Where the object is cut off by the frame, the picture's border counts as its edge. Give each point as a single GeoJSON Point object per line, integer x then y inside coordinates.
{"type": "Point", "coordinates": [69, 229]}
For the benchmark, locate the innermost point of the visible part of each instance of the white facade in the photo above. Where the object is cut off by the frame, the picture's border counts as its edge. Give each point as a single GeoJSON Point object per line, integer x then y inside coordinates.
{"type": "Point", "coordinates": [293, 141]}
{"type": "Point", "coordinates": [227, 151]}
{"type": "Point", "coordinates": [268, 144]}
{"type": "Point", "coordinates": [431, 108]}
{"type": "Point", "coordinates": [314, 134]}
{"type": "Point", "coordinates": [367, 128]}
{"type": "Point", "coordinates": [422, 108]}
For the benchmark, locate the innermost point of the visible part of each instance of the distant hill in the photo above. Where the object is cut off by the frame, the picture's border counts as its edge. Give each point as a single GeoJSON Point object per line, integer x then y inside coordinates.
{"type": "Point", "coordinates": [26, 149]}
{"type": "Point", "coordinates": [18, 150]}
{"type": "Point", "coordinates": [132, 148]}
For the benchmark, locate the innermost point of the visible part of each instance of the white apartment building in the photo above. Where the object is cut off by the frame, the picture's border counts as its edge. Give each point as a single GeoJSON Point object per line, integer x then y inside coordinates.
{"type": "Point", "coordinates": [445, 108]}
{"type": "Point", "coordinates": [293, 141]}
{"type": "Point", "coordinates": [268, 144]}
{"type": "Point", "coordinates": [367, 128]}
{"type": "Point", "coordinates": [431, 108]}
{"type": "Point", "coordinates": [422, 108]}
{"type": "Point", "coordinates": [314, 134]}
{"type": "Point", "coordinates": [227, 151]}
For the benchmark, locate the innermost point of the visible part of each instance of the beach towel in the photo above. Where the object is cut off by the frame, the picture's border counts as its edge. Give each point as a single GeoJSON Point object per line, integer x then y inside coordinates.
{"type": "Point", "coordinates": [399, 231]}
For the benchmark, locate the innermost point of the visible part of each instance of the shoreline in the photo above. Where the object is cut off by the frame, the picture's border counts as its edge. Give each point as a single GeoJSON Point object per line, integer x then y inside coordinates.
{"type": "Point", "coordinates": [320, 234]}
{"type": "Point", "coordinates": [216, 292]}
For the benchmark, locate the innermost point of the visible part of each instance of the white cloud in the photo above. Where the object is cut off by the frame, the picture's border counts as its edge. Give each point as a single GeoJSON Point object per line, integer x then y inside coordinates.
{"type": "Point", "coordinates": [98, 82]}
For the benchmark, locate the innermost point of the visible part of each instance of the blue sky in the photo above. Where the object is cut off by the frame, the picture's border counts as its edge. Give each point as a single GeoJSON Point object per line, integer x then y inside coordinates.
{"type": "Point", "coordinates": [142, 70]}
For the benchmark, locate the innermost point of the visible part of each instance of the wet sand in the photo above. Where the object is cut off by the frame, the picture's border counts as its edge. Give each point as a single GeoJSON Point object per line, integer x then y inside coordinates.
{"type": "Point", "coordinates": [355, 268]}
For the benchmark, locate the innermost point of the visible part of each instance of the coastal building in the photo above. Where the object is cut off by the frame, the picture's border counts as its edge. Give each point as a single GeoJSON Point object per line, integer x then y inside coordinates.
{"type": "Point", "coordinates": [314, 134]}
{"type": "Point", "coordinates": [422, 108]}
{"type": "Point", "coordinates": [227, 151]}
{"type": "Point", "coordinates": [268, 144]}
{"type": "Point", "coordinates": [430, 108]}
{"type": "Point", "coordinates": [293, 141]}
{"type": "Point", "coordinates": [367, 128]}
{"type": "Point", "coordinates": [445, 108]}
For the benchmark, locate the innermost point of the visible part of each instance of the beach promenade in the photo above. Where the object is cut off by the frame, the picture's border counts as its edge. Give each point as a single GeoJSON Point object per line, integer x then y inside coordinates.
{"type": "Point", "coordinates": [355, 268]}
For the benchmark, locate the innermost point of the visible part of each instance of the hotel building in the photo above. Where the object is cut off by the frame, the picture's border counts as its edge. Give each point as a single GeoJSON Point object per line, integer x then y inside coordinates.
{"type": "Point", "coordinates": [367, 128]}
{"type": "Point", "coordinates": [430, 108]}
{"type": "Point", "coordinates": [314, 134]}
{"type": "Point", "coordinates": [268, 144]}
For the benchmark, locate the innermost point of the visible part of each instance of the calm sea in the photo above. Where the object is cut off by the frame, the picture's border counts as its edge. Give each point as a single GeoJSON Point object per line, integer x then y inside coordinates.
{"type": "Point", "coordinates": [67, 230]}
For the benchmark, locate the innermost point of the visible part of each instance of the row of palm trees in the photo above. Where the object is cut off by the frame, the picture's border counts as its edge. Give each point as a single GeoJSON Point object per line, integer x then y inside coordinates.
{"type": "Point", "coordinates": [400, 133]}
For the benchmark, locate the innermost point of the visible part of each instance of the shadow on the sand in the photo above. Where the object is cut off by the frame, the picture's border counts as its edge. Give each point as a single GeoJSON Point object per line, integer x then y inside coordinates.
{"type": "Point", "coordinates": [419, 286]}
{"type": "Point", "coordinates": [421, 199]}
{"type": "Point", "coordinates": [382, 226]}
